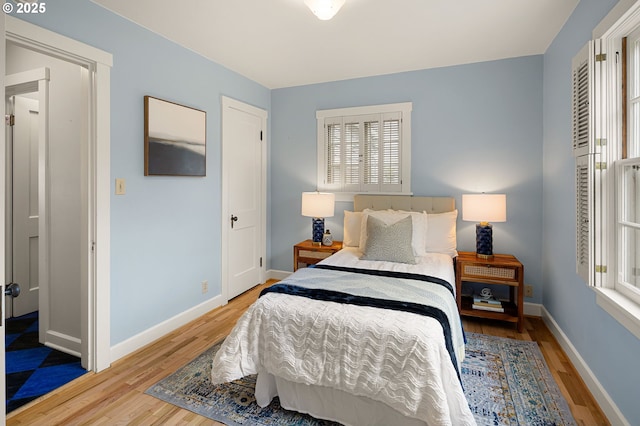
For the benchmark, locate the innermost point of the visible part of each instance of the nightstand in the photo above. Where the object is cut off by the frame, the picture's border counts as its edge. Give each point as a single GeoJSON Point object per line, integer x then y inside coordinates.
{"type": "Point", "coordinates": [502, 269]}
{"type": "Point", "coordinates": [308, 253]}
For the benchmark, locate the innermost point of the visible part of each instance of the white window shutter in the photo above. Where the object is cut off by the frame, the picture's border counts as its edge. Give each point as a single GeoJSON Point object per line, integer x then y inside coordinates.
{"type": "Point", "coordinates": [587, 68]}
{"type": "Point", "coordinates": [584, 216]}
{"type": "Point", "coordinates": [334, 152]}
{"type": "Point", "coordinates": [391, 157]}
{"type": "Point", "coordinates": [583, 93]}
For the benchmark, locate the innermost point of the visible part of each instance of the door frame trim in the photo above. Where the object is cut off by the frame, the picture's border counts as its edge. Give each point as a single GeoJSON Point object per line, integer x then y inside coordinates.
{"type": "Point", "coordinates": [96, 295]}
{"type": "Point", "coordinates": [230, 103]}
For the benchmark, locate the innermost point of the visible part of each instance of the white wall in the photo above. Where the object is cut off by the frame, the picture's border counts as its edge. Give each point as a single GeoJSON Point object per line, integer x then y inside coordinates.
{"type": "Point", "coordinates": [67, 119]}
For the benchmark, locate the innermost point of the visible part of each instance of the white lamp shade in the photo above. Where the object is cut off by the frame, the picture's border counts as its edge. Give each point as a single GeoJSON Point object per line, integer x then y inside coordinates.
{"type": "Point", "coordinates": [318, 204]}
{"type": "Point", "coordinates": [484, 207]}
{"type": "Point", "coordinates": [324, 9]}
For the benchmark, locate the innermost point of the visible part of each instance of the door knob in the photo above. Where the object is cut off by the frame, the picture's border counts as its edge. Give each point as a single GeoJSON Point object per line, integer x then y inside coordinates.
{"type": "Point", "coordinates": [233, 219]}
{"type": "Point", "coordinates": [12, 289]}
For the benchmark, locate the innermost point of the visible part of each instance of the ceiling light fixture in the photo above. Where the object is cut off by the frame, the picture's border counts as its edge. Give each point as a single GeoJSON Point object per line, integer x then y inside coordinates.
{"type": "Point", "coordinates": [324, 9]}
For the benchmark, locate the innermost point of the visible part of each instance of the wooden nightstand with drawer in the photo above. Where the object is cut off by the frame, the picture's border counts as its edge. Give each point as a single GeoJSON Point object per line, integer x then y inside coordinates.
{"type": "Point", "coordinates": [502, 269]}
{"type": "Point", "coordinates": [308, 253]}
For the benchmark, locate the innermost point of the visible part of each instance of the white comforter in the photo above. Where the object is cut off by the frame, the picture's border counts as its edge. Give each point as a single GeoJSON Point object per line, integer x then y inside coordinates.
{"type": "Point", "coordinates": [394, 357]}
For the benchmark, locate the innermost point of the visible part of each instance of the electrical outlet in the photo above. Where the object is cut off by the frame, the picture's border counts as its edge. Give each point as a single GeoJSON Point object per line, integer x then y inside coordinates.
{"type": "Point", "coordinates": [528, 291]}
{"type": "Point", "coordinates": [205, 286]}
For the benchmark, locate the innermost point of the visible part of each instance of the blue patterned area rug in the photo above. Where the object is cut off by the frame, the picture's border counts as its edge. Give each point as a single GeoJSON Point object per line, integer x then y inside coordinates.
{"type": "Point", "coordinates": [506, 382]}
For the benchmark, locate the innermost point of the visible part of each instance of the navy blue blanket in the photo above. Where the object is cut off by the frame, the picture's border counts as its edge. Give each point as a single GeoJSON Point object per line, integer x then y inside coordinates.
{"type": "Point", "coordinates": [340, 297]}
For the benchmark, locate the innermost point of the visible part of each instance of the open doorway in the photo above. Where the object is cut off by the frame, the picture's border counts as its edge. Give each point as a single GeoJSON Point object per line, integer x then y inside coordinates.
{"type": "Point", "coordinates": [44, 209]}
{"type": "Point", "coordinates": [95, 297]}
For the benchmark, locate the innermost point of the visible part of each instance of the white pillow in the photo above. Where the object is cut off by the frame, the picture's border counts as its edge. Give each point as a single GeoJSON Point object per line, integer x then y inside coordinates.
{"type": "Point", "coordinates": [441, 233]}
{"type": "Point", "coordinates": [389, 217]}
{"type": "Point", "coordinates": [352, 224]}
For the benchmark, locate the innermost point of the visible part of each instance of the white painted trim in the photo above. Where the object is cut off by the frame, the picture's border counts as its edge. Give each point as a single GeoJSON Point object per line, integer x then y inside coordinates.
{"type": "Point", "coordinates": [100, 294]}
{"type": "Point", "coordinates": [154, 333]}
{"type": "Point", "coordinates": [274, 274]}
{"type": "Point", "coordinates": [612, 17]}
{"type": "Point", "coordinates": [533, 309]}
{"type": "Point", "coordinates": [608, 406]}
{"type": "Point", "coordinates": [404, 107]}
{"type": "Point", "coordinates": [227, 103]}
{"type": "Point", "coordinates": [64, 343]}
{"type": "Point", "coordinates": [25, 78]}
{"type": "Point", "coordinates": [98, 63]}
{"type": "Point", "coordinates": [23, 31]}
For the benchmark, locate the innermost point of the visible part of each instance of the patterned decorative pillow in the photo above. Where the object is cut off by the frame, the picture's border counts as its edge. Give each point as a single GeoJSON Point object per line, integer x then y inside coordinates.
{"type": "Point", "coordinates": [419, 224]}
{"type": "Point", "coordinates": [391, 243]}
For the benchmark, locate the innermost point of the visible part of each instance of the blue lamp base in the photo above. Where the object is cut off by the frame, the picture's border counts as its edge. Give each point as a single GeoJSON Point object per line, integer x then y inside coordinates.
{"type": "Point", "coordinates": [317, 229]}
{"type": "Point", "coordinates": [484, 241]}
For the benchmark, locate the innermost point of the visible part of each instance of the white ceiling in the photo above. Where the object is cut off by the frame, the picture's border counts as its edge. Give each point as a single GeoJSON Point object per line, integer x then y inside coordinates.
{"type": "Point", "coordinates": [280, 43]}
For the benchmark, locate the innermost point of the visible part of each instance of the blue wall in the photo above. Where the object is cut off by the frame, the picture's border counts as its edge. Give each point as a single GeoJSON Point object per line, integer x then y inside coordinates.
{"type": "Point", "coordinates": [500, 126]}
{"type": "Point", "coordinates": [475, 128]}
{"type": "Point", "coordinates": [608, 348]}
{"type": "Point", "coordinates": [165, 232]}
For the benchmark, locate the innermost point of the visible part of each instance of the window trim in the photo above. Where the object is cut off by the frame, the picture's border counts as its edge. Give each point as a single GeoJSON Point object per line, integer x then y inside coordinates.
{"type": "Point", "coordinates": [323, 116]}
{"type": "Point", "coordinates": [620, 22]}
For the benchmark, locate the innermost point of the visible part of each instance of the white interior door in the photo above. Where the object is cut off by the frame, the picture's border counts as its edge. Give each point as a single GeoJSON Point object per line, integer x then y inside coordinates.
{"type": "Point", "coordinates": [243, 156]}
{"type": "Point", "coordinates": [25, 215]}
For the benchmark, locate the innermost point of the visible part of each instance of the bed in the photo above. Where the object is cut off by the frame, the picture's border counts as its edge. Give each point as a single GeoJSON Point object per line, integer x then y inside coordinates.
{"type": "Point", "coordinates": [370, 335]}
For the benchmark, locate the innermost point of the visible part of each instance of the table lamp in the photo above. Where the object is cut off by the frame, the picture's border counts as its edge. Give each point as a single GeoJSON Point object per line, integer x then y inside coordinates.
{"type": "Point", "coordinates": [484, 208]}
{"type": "Point", "coordinates": [318, 205]}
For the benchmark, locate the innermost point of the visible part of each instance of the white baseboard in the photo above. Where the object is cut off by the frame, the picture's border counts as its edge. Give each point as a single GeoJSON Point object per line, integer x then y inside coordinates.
{"type": "Point", "coordinates": [274, 274]}
{"type": "Point", "coordinates": [63, 343]}
{"type": "Point", "coordinates": [610, 409]}
{"type": "Point", "coordinates": [533, 309]}
{"type": "Point", "coordinates": [154, 333]}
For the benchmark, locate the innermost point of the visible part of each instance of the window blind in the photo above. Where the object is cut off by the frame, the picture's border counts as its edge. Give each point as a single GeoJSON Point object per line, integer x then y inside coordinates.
{"type": "Point", "coordinates": [333, 153]}
{"type": "Point", "coordinates": [366, 151]}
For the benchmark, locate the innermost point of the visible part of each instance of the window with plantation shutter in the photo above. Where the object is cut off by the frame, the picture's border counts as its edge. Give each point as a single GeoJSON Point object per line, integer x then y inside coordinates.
{"type": "Point", "coordinates": [365, 149]}
{"type": "Point", "coordinates": [606, 144]}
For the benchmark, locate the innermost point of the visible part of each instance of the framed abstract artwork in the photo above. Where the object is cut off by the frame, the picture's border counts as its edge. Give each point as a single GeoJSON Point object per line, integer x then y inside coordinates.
{"type": "Point", "coordinates": [174, 139]}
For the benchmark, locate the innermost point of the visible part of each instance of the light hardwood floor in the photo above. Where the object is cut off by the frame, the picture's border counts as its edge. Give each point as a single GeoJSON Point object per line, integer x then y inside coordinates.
{"type": "Point", "coordinates": [116, 395]}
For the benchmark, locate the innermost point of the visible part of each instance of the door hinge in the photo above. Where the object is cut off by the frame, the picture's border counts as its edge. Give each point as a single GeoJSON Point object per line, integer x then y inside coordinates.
{"type": "Point", "coordinates": [601, 57]}
{"type": "Point", "coordinates": [601, 166]}
{"type": "Point", "coordinates": [93, 246]}
{"type": "Point", "coordinates": [601, 142]}
{"type": "Point", "coordinates": [10, 120]}
{"type": "Point", "coordinates": [601, 268]}
{"type": "Point", "coordinates": [261, 262]}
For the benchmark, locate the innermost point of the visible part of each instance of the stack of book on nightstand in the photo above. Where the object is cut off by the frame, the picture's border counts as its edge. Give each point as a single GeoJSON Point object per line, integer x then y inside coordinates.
{"type": "Point", "coordinates": [487, 304]}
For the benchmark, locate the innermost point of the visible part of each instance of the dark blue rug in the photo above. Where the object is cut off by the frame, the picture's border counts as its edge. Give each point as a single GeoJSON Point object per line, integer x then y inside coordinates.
{"type": "Point", "coordinates": [33, 369]}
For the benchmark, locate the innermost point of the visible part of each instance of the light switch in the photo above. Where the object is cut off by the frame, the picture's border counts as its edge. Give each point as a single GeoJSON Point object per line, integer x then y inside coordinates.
{"type": "Point", "coordinates": [120, 187]}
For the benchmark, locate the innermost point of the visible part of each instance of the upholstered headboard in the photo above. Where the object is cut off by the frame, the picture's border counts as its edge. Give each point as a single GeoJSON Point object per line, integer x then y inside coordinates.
{"type": "Point", "coordinates": [404, 202]}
